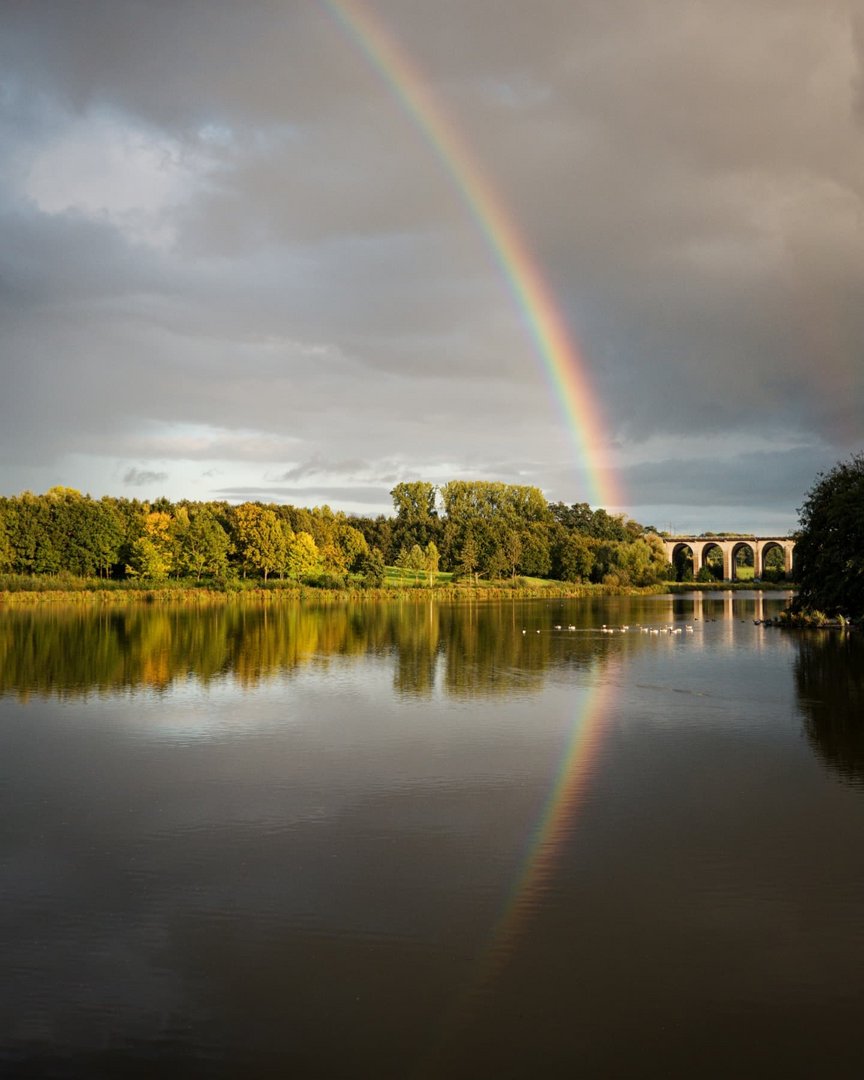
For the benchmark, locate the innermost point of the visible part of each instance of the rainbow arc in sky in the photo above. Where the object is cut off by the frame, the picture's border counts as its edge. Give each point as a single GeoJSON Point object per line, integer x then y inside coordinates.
{"type": "Point", "coordinates": [563, 363]}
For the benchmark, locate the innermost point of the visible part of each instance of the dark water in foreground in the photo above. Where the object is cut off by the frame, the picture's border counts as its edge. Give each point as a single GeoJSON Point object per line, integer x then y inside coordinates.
{"type": "Point", "coordinates": [413, 841]}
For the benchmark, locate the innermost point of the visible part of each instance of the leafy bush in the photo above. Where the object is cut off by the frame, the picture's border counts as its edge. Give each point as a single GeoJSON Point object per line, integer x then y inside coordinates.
{"type": "Point", "coordinates": [325, 580]}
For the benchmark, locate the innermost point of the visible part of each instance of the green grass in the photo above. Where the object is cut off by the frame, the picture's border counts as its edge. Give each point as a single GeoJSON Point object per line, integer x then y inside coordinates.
{"type": "Point", "coordinates": [66, 588]}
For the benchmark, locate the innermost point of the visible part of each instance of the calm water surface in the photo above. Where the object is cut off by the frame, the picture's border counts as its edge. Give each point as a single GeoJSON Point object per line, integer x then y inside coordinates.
{"type": "Point", "coordinates": [420, 840]}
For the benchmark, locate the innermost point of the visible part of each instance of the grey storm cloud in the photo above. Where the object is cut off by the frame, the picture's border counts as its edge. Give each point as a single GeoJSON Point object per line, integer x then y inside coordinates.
{"type": "Point", "coordinates": [318, 466]}
{"type": "Point", "coordinates": [143, 477]}
{"type": "Point", "coordinates": [223, 239]}
{"type": "Point", "coordinates": [771, 479]}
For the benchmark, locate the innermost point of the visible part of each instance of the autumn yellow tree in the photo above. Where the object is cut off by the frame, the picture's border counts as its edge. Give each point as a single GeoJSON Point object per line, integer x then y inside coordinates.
{"type": "Point", "coordinates": [153, 553]}
{"type": "Point", "coordinates": [260, 539]}
{"type": "Point", "coordinates": [432, 560]}
{"type": "Point", "coordinates": [303, 555]}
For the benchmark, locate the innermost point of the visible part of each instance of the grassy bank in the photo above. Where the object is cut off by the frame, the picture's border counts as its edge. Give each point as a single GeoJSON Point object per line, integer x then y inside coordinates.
{"type": "Point", "coordinates": [98, 597]}
{"type": "Point", "coordinates": [20, 590]}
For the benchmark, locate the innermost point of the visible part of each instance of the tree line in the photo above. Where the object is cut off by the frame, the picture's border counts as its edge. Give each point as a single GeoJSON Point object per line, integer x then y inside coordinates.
{"type": "Point", "coordinates": [471, 529]}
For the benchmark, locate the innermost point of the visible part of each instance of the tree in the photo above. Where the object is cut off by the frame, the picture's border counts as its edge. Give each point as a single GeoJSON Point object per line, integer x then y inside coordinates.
{"type": "Point", "coordinates": [7, 555]}
{"type": "Point", "coordinates": [303, 555]}
{"type": "Point", "coordinates": [416, 559]}
{"type": "Point", "coordinates": [416, 517]}
{"type": "Point", "coordinates": [596, 524]}
{"type": "Point", "coordinates": [333, 558]}
{"type": "Point", "coordinates": [261, 538]}
{"type": "Point", "coordinates": [486, 510]}
{"type": "Point", "coordinates": [107, 538]}
{"type": "Point", "coordinates": [469, 559]}
{"type": "Point", "coordinates": [431, 561]}
{"type": "Point", "coordinates": [829, 550]}
{"type": "Point", "coordinates": [659, 568]}
{"type": "Point", "coordinates": [495, 564]}
{"type": "Point", "coordinates": [372, 567]}
{"type": "Point", "coordinates": [153, 554]}
{"type": "Point", "coordinates": [536, 557]}
{"type": "Point", "coordinates": [148, 559]}
{"type": "Point", "coordinates": [352, 544]}
{"type": "Point", "coordinates": [29, 527]}
{"type": "Point", "coordinates": [511, 549]}
{"type": "Point", "coordinates": [402, 559]}
{"type": "Point", "coordinates": [378, 533]}
{"type": "Point", "coordinates": [204, 544]}
{"type": "Point", "coordinates": [574, 557]}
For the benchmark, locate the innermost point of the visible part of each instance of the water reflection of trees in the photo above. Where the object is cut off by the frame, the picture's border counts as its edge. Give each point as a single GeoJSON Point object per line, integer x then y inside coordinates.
{"type": "Point", "coordinates": [464, 649]}
{"type": "Point", "coordinates": [829, 678]}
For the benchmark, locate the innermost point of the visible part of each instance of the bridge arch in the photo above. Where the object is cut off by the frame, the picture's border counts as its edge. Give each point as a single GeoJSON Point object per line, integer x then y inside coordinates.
{"type": "Point", "coordinates": [681, 553]}
{"type": "Point", "coordinates": [707, 547]}
{"type": "Point", "coordinates": [739, 546]}
{"type": "Point", "coordinates": [765, 547]}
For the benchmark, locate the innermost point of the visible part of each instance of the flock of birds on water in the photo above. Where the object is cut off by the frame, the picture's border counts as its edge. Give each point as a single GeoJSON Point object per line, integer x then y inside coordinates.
{"type": "Point", "coordinates": [604, 629]}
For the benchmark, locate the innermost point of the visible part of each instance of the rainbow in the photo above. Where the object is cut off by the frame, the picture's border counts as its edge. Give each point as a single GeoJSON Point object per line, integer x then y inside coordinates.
{"type": "Point", "coordinates": [555, 821]}
{"type": "Point", "coordinates": [562, 360]}
{"type": "Point", "coordinates": [553, 828]}
{"type": "Point", "coordinates": [566, 370]}
{"type": "Point", "coordinates": [551, 831]}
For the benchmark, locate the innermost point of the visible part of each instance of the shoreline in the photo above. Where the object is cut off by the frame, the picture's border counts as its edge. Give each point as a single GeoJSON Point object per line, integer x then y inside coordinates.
{"type": "Point", "coordinates": [115, 593]}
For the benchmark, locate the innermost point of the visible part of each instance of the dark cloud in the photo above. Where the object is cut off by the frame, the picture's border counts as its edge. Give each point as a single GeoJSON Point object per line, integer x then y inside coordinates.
{"type": "Point", "coordinates": [748, 492]}
{"type": "Point", "coordinates": [223, 239]}
{"type": "Point", "coordinates": [143, 477]}
{"type": "Point", "coordinates": [317, 466]}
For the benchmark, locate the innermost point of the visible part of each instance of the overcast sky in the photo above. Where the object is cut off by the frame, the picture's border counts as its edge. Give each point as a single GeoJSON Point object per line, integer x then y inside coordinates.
{"type": "Point", "coordinates": [232, 265]}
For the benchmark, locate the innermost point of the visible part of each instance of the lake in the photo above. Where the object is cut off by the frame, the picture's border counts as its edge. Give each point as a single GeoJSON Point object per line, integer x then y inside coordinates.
{"type": "Point", "coordinates": [415, 839]}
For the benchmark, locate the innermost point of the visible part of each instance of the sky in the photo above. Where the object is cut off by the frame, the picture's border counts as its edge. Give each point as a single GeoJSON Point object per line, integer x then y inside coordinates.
{"type": "Point", "coordinates": [240, 260]}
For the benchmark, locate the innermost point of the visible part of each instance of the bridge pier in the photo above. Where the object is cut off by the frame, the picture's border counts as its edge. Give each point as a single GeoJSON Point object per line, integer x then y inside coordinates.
{"type": "Point", "coordinates": [728, 562]}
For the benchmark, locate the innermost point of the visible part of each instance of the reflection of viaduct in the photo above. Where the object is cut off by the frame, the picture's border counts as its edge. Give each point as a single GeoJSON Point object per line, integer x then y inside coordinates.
{"type": "Point", "coordinates": [699, 546]}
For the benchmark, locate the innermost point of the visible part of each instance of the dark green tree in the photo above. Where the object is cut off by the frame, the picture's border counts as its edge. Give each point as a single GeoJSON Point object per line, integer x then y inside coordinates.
{"type": "Point", "coordinates": [597, 524]}
{"type": "Point", "coordinates": [536, 559]}
{"type": "Point", "coordinates": [829, 552]}
{"type": "Point", "coordinates": [469, 558]}
{"type": "Point", "coordinates": [417, 519]}
{"type": "Point", "coordinates": [371, 566]}
{"type": "Point", "coordinates": [495, 564]}
{"type": "Point", "coordinates": [204, 544]}
{"type": "Point", "coordinates": [7, 555]}
{"type": "Point", "coordinates": [574, 557]}
{"type": "Point", "coordinates": [511, 549]}
{"type": "Point", "coordinates": [30, 529]}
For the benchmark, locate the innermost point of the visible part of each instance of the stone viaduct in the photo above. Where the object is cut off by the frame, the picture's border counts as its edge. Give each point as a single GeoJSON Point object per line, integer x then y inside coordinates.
{"type": "Point", "coordinates": [699, 546]}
